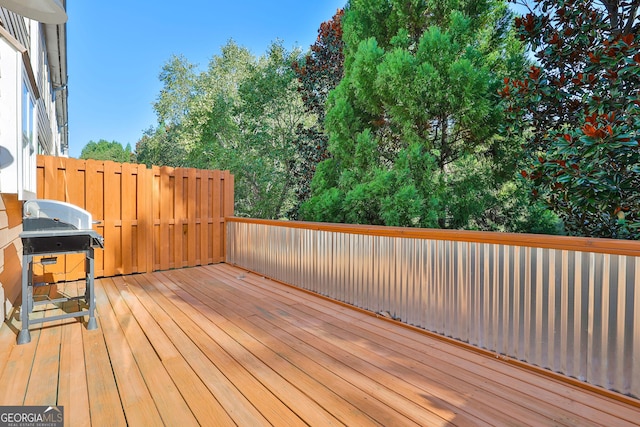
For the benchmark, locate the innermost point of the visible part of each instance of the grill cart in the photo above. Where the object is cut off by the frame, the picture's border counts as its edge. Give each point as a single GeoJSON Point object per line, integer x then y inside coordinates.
{"type": "Point", "coordinates": [52, 228]}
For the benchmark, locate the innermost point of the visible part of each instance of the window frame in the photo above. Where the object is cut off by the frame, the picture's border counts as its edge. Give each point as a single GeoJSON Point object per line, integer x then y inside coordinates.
{"type": "Point", "coordinates": [20, 95]}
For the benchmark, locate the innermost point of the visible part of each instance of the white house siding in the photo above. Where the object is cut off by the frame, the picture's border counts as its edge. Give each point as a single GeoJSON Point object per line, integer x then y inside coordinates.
{"type": "Point", "coordinates": [25, 50]}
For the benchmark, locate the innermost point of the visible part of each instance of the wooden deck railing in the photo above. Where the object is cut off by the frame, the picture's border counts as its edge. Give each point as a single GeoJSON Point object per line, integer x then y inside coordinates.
{"type": "Point", "coordinates": [151, 219]}
{"type": "Point", "coordinates": [571, 305]}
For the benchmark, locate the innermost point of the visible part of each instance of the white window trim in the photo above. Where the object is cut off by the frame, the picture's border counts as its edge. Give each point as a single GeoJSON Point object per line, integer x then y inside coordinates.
{"type": "Point", "coordinates": [17, 162]}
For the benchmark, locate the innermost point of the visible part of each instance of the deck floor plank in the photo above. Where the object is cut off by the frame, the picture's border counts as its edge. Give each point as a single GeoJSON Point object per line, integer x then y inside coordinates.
{"type": "Point", "coordinates": [265, 373]}
{"type": "Point", "coordinates": [137, 398]}
{"type": "Point", "coordinates": [367, 383]}
{"type": "Point", "coordinates": [73, 392]}
{"type": "Point", "coordinates": [169, 403]}
{"type": "Point", "coordinates": [218, 346]}
{"type": "Point", "coordinates": [513, 380]}
{"type": "Point", "coordinates": [194, 393]}
{"type": "Point", "coordinates": [47, 360]}
{"type": "Point", "coordinates": [379, 369]}
{"type": "Point", "coordinates": [121, 387]}
{"type": "Point", "coordinates": [238, 369]}
{"type": "Point", "coordinates": [17, 372]}
{"type": "Point", "coordinates": [519, 386]}
{"type": "Point", "coordinates": [46, 364]}
{"type": "Point", "coordinates": [286, 367]}
{"type": "Point", "coordinates": [234, 402]}
{"type": "Point", "coordinates": [432, 375]}
{"type": "Point", "coordinates": [202, 402]}
{"type": "Point", "coordinates": [7, 339]}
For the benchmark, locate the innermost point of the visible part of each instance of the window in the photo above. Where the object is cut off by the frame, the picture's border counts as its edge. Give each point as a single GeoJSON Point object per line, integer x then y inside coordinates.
{"type": "Point", "coordinates": [18, 120]}
{"type": "Point", "coordinates": [28, 140]}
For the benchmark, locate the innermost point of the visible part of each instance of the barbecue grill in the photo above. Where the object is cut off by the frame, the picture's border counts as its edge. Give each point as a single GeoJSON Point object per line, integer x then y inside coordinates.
{"type": "Point", "coordinates": [51, 228]}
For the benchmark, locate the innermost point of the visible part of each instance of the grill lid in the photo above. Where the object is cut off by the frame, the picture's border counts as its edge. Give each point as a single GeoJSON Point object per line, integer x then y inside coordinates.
{"type": "Point", "coordinates": [50, 226]}
{"type": "Point", "coordinates": [42, 215]}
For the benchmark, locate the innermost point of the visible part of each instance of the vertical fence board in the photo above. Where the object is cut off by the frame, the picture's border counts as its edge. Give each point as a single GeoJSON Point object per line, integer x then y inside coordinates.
{"type": "Point", "coordinates": [74, 264]}
{"type": "Point", "coordinates": [111, 218]}
{"type": "Point", "coordinates": [164, 201]}
{"type": "Point", "coordinates": [145, 225]}
{"type": "Point", "coordinates": [155, 204]}
{"type": "Point", "coordinates": [204, 212]}
{"type": "Point", "coordinates": [127, 217]}
{"type": "Point", "coordinates": [179, 212]}
{"type": "Point", "coordinates": [215, 214]}
{"type": "Point", "coordinates": [55, 271]}
{"type": "Point", "coordinates": [151, 219]}
{"type": "Point", "coordinates": [75, 193]}
{"type": "Point", "coordinates": [192, 200]}
{"type": "Point", "coordinates": [227, 210]}
{"type": "Point", "coordinates": [50, 178]}
{"type": "Point", "coordinates": [40, 178]}
{"type": "Point", "coordinates": [95, 201]}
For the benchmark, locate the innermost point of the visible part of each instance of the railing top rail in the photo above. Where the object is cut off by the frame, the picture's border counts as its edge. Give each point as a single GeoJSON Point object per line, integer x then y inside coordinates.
{"type": "Point", "coordinates": [583, 244]}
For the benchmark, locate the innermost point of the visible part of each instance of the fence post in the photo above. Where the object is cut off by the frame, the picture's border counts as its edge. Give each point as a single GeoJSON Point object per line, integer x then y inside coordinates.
{"type": "Point", "coordinates": [228, 203]}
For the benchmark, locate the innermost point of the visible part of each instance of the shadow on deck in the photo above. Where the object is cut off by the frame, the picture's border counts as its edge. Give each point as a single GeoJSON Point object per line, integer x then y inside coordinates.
{"type": "Point", "coordinates": [215, 345]}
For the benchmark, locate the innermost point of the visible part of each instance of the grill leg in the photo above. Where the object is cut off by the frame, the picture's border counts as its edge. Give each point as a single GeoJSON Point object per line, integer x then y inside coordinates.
{"type": "Point", "coordinates": [24, 337]}
{"type": "Point", "coordinates": [90, 295]}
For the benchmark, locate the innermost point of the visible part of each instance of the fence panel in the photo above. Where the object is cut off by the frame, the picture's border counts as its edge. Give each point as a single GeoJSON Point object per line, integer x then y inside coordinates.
{"type": "Point", "coordinates": [151, 219]}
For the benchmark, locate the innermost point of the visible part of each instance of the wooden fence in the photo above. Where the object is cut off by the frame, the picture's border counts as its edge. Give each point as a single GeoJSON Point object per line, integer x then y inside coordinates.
{"type": "Point", "coordinates": [151, 219]}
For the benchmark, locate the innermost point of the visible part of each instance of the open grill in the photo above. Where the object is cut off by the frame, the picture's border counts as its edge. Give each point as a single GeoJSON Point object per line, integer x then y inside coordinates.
{"type": "Point", "coordinates": [53, 228]}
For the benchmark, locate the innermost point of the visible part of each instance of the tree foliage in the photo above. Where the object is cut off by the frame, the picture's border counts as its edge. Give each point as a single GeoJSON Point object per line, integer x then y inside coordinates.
{"type": "Point", "coordinates": [167, 143]}
{"type": "Point", "coordinates": [242, 114]}
{"type": "Point", "coordinates": [271, 114]}
{"type": "Point", "coordinates": [319, 72]}
{"type": "Point", "coordinates": [105, 150]}
{"type": "Point", "coordinates": [412, 125]}
{"type": "Point", "coordinates": [579, 109]}
{"type": "Point", "coordinates": [159, 146]}
{"type": "Point", "coordinates": [322, 67]}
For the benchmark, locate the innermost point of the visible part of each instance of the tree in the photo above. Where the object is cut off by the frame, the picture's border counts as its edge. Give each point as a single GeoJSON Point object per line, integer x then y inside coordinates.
{"type": "Point", "coordinates": [322, 67]}
{"type": "Point", "coordinates": [105, 150]}
{"type": "Point", "coordinates": [242, 114]}
{"type": "Point", "coordinates": [179, 87]}
{"type": "Point", "coordinates": [319, 72]}
{"type": "Point", "coordinates": [213, 136]}
{"type": "Point", "coordinates": [167, 143]}
{"type": "Point", "coordinates": [159, 147]}
{"type": "Point", "coordinates": [412, 125]}
{"type": "Point", "coordinates": [271, 114]}
{"type": "Point", "coordinates": [579, 110]}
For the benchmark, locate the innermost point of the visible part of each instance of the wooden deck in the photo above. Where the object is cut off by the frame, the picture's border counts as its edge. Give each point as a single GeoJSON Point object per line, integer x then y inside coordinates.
{"type": "Point", "coordinates": [217, 346]}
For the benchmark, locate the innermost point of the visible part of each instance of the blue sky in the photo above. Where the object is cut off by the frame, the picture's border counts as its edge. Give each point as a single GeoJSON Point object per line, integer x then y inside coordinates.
{"type": "Point", "coordinates": [117, 48]}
